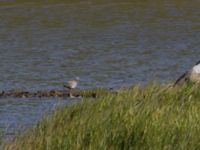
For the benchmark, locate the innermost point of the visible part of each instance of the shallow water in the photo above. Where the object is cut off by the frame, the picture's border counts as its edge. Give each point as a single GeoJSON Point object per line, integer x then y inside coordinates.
{"type": "Point", "coordinates": [18, 114]}
{"type": "Point", "coordinates": [106, 44]}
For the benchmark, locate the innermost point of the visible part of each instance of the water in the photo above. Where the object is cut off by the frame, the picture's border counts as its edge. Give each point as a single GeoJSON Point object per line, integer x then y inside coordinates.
{"type": "Point", "coordinates": [107, 44]}
{"type": "Point", "coordinates": [18, 114]}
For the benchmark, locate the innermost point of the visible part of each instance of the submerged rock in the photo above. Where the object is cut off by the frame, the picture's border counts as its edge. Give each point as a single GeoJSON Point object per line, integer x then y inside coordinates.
{"type": "Point", "coordinates": [51, 93]}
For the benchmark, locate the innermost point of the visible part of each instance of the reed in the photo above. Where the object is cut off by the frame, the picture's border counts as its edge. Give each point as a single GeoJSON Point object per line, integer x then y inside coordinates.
{"type": "Point", "coordinates": [151, 117]}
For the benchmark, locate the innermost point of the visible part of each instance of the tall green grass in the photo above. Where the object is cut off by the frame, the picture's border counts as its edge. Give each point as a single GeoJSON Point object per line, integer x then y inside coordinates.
{"type": "Point", "coordinates": [153, 117]}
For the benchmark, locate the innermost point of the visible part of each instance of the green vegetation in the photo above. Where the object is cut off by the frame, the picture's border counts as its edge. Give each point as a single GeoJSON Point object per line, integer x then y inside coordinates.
{"type": "Point", "coordinates": [154, 117]}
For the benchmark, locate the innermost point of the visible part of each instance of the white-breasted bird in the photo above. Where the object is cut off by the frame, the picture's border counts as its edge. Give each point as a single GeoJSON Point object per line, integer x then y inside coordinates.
{"type": "Point", "coordinates": [72, 84]}
{"type": "Point", "coordinates": [192, 75]}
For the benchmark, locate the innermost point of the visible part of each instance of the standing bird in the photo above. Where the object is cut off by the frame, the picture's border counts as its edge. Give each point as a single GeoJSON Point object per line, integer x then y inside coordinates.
{"type": "Point", "coordinates": [192, 75]}
{"type": "Point", "coordinates": [72, 84]}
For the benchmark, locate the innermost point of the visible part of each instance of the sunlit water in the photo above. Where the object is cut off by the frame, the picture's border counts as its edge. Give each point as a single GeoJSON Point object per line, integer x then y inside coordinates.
{"type": "Point", "coordinates": [106, 44]}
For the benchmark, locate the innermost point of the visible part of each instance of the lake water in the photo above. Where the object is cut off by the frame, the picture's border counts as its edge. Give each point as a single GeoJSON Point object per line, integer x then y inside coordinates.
{"type": "Point", "coordinates": [107, 44]}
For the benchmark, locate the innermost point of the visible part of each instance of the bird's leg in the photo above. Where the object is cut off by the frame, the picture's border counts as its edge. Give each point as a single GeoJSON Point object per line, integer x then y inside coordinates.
{"type": "Point", "coordinates": [70, 93]}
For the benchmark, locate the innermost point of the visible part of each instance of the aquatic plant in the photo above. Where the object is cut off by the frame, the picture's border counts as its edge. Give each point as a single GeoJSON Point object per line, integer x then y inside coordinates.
{"type": "Point", "coordinates": [151, 117]}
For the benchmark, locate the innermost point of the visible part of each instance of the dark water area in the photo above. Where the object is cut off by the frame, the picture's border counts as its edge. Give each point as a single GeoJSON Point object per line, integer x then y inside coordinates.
{"type": "Point", "coordinates": [107, 44]}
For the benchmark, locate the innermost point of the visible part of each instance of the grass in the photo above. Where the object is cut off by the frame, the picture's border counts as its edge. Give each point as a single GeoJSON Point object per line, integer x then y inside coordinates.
{"type": "Point", "coordinates": [152, 117]}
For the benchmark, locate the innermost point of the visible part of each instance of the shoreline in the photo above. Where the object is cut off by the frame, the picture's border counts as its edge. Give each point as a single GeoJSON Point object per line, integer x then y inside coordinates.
{"type": "Point", "coordinates": [87, 93]}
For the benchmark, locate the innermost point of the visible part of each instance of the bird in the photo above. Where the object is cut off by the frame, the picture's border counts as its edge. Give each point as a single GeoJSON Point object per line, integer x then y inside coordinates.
{"type": "Point", "coordinates": [192, 75]}
{"type": "Point", "coordinates": [72, 84]}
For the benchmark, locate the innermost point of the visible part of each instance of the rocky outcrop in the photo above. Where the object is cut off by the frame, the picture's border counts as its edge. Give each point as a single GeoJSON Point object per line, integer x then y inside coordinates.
{"type": "Point", "coordinates": [51, 93]}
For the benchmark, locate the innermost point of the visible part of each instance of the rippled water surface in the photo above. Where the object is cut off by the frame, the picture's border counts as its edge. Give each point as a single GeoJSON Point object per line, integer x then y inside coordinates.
{"type": "Point", "coordinates": [17, 114]}
{"type": "Point", "coordinates": [106, 44]}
